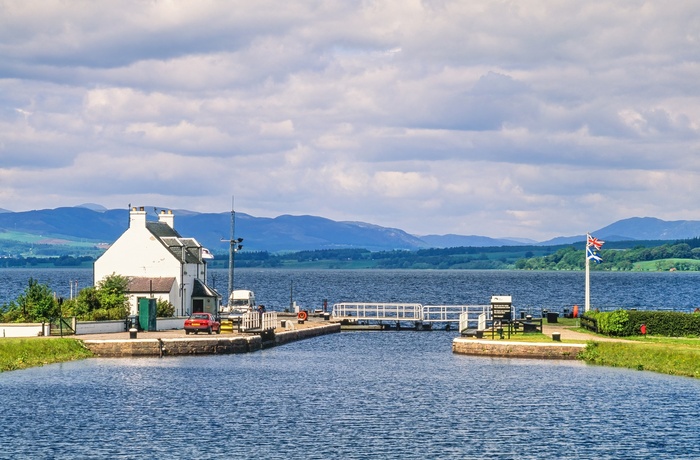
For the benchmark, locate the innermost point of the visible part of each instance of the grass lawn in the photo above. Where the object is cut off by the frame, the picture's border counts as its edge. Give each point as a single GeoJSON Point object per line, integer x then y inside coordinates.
{"type": "Point", "coordinates": [667, 355]}
{"type": "Point", "coordinates": [673, 358]}
{"type": "Point", "coordinates": [32, 352]}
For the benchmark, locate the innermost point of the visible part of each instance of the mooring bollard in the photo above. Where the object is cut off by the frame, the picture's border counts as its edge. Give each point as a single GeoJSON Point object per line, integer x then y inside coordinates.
{"type": "Point", "coordinates": [132, 333]}
{"type": "Point", "coordinates": [556, 336]}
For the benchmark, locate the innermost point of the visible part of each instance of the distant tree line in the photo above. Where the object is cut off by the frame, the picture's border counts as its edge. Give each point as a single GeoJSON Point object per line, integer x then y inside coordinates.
{"type": "Point", "coordinates": [620, 255]}
{"type": "Point", "coordinates": [62, 261]}
{"type": "Point", "coordinates": [571, 258]}
{"type": "Point", "coordinates": [434, 258]}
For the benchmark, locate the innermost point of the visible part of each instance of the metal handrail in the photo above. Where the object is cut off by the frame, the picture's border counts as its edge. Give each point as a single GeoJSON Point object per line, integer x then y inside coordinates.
{"type": "Point", "coordinates": [378, 311]}
{"type": "Point", "coordinates": [366, 311]}
{"type": "Point", "coordinates": [451, 313]}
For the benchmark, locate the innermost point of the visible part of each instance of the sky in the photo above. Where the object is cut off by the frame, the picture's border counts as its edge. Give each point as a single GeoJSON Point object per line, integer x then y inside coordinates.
{"type": "Point", "coordinates": [525, 118]}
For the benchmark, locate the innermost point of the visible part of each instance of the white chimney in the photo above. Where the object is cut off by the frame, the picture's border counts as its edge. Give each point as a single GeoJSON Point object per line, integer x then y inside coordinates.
{"type": "Point", "coordinates": [137, 217]}
{"type": "Point", "coordinates": [167, 217]}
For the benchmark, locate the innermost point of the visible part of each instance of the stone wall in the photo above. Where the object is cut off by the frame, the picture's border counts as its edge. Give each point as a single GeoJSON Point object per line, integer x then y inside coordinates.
{"type": "Point", "coordinates": [299, 334]}
{"type": "Point", "coordinates": [502, 349]}
{"type": "Point", "coordinates": [199, 346]}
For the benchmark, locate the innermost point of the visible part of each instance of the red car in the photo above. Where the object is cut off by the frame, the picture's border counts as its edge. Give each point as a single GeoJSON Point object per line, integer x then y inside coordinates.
{"type": "Point", "coordinates": [202, 322]}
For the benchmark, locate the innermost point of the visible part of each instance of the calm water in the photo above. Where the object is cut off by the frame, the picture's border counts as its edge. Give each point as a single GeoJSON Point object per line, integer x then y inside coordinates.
{"type": "Point", "coordinates": [393, 395]}
{"type": "Point", "coordinates": [530, 290]}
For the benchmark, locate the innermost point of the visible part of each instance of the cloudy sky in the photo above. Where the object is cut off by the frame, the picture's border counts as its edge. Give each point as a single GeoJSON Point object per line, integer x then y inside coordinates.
{"type": "Point", "coordinates": [521, 118]}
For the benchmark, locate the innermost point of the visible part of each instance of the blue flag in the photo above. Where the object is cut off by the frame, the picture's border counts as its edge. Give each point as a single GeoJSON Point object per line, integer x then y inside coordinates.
{"type": "Point", "coordinates": [592, 255]}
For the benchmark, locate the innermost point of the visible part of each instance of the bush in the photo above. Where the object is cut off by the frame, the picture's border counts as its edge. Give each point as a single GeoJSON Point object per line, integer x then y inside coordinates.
{"type": "Point", "coordinates": [614, 323]}
{"type": "Point", "coordinates": [628, 323]}
{"type": "Point", "coordinates": [665, 323]}
{"type": "Point", "coordinates": [164, 309]}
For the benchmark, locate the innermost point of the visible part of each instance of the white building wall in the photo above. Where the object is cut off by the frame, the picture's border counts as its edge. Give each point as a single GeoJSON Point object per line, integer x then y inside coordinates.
{"type": "Point", "coordinates": [138, 253]}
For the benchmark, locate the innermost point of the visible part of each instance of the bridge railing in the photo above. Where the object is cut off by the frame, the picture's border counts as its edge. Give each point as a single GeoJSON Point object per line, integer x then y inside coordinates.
{"type": "Point", "coordinates": [451, 313]}
{"type": "Point", "coordinates": [377, 311]}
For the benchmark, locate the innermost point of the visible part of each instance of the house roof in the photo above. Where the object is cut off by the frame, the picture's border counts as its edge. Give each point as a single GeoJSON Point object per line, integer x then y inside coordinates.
{"type": "Point", "coordinates": [161, 229]}
{"type": "Point", "coordinates": [202, 290]}
{"type": "Point", "coordinates": [148, 284]}
{"type": "Point", "coordinates": [186, 250]}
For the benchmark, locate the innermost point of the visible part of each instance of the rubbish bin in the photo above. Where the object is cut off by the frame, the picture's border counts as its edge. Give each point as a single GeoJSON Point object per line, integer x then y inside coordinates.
{"type": "Point", "coordinates": [552, 317]}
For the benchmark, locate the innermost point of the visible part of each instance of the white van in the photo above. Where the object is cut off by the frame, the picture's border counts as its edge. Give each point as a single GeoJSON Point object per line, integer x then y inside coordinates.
{"type": "Point", "coordinates": [241, 301]}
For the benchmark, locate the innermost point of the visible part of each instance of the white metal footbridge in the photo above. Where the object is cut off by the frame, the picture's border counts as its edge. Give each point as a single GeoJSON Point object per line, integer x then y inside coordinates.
{"type": "Point", "coordinates": [416, 315]}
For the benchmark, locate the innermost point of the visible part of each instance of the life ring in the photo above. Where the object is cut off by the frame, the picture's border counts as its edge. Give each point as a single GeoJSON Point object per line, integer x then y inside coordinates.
{"type": "Point", "coordinates": [302, 316]}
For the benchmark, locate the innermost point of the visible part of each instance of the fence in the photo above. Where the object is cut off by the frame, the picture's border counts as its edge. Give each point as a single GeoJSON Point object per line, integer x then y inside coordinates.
{"type": "Point", "coordinates": [254, 321]}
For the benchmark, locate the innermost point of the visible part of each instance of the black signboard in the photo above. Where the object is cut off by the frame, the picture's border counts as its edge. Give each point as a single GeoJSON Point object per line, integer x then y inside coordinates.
{"type": "Point", "coordinates": [501, 311]}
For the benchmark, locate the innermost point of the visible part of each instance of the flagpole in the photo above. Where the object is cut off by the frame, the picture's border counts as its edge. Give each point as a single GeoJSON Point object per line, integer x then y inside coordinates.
{"type": "Point", "coordinates": [588, 275]}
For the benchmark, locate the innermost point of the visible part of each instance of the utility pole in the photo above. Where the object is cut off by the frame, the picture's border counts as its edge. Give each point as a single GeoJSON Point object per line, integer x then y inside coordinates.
{"type": "Point", "coordinates": [234, 246]}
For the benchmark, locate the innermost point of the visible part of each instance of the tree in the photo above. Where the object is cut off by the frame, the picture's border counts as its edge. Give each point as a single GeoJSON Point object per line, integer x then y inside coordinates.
{"type": "Point", "coordinates": [86, 302]}
{"type": "Point", "coordinates": [107, 301]}
{"type": "Point", "coordinates": [112, 295]}
{"type": "Point", "coordinates": [35, 304]}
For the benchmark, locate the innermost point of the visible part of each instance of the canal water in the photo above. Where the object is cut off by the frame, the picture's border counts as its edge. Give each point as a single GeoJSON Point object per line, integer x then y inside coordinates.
{"type": "Point", "coordinates": [355, 395]}
{"type": "Point", "coordinates": [393, 395]}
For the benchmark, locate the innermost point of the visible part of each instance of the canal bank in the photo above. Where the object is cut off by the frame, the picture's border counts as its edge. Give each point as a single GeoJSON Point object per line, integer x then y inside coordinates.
{"type": "Point", "coordinates": [176, 343]}
{"type": "Point", "coordinates": [564, 347]}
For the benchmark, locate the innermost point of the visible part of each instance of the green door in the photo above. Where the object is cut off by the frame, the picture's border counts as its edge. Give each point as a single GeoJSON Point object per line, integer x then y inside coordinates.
{"type": "Point", "coordinates": [147, 314]}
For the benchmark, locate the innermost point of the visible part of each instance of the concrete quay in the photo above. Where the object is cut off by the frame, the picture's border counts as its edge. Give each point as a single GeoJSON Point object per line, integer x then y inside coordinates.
{"type": "Point", "coordinates": [176, 343]}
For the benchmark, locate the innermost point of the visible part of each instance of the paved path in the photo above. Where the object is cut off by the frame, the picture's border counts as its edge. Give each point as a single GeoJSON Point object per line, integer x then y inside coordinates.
{"type": "Point", "coordinates": [568, 334]}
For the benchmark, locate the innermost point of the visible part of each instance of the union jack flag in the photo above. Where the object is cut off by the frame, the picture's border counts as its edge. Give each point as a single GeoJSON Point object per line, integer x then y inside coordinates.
{"type": "Point", "coordinates": [595, 242]}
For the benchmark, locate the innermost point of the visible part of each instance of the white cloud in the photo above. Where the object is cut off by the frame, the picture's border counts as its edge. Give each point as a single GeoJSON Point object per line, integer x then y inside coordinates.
{"type": "Point", "coordinates": [531, 119]}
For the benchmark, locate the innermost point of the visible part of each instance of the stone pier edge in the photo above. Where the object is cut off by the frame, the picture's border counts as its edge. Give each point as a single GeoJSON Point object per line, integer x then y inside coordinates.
{"type": "Point", "coordinates": [535, 350]}
{"type": "Point", "coordinates": [200, 346]}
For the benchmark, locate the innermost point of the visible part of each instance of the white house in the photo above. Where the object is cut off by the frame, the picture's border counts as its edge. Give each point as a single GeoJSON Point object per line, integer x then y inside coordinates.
{"type": "Point", "coordinates": [159, 264]}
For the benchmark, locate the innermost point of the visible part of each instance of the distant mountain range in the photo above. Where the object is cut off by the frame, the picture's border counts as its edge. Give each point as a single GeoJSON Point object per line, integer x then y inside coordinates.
{"type": "Point", "coordinates": [94, 223]}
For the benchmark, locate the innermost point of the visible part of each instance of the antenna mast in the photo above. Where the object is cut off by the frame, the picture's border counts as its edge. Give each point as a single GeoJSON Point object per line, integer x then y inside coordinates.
{"type": "Point", "coordinates": [231, 251]}
{"type": "Point", "coordinates": [234, 246]}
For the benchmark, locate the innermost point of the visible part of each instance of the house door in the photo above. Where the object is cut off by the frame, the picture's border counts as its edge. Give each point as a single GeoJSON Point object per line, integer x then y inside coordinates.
{"type": "Point", "coordinates": [197, 305]}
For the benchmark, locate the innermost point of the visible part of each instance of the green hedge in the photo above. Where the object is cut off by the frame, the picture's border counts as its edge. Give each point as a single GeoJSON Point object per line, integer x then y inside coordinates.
{"type": "Point", "coordinates": [625, 323]}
